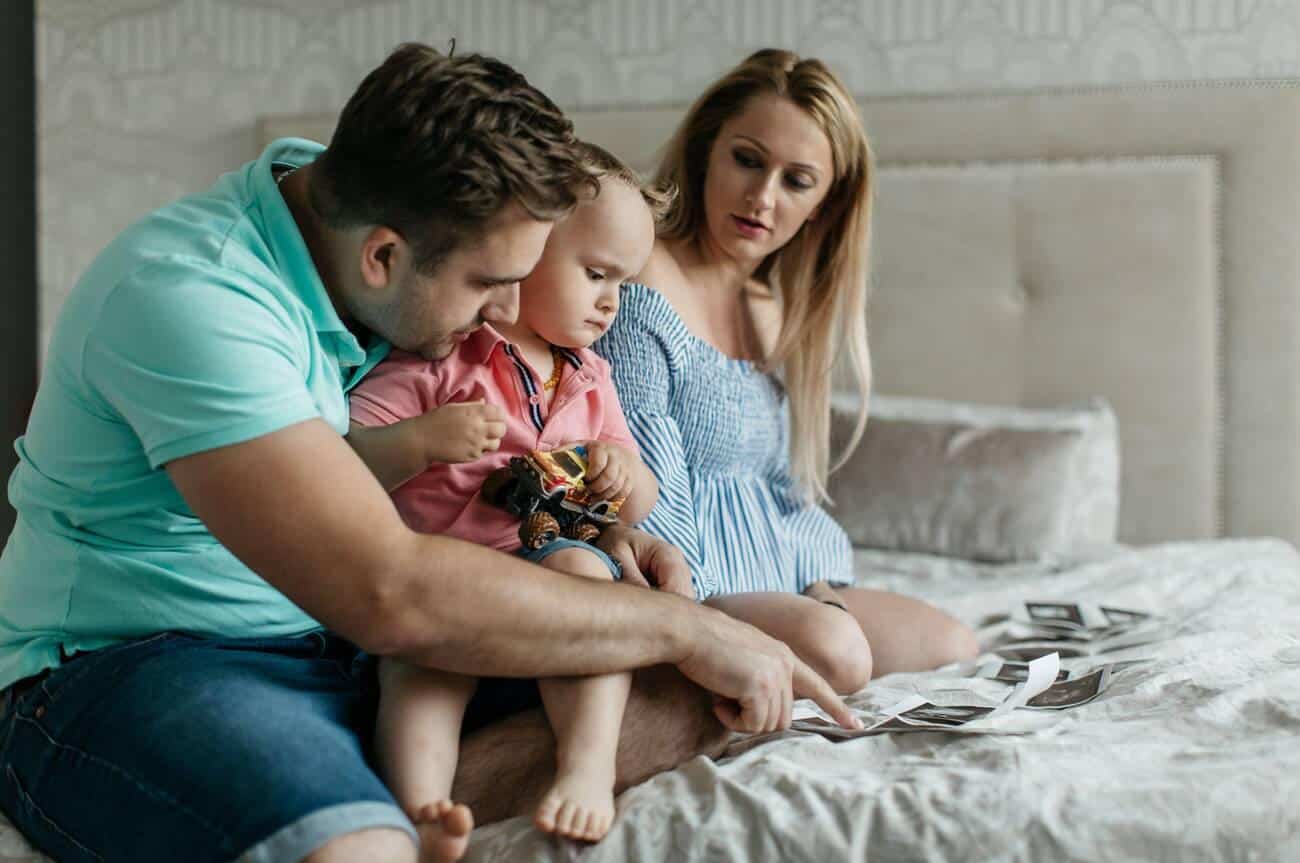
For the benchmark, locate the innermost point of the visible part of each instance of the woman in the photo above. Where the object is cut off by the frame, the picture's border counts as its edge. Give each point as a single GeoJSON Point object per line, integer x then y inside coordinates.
{"type": "Point", "coordinates": [757, 283]}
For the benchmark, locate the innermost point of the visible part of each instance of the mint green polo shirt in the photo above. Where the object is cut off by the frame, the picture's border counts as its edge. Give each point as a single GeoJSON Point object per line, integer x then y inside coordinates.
{"type": "Point", "coordinates": [203, 325]}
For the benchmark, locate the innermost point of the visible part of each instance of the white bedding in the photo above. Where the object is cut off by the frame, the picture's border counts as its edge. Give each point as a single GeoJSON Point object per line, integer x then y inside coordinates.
{"type": "Point", "coordinates": [1192, 756]}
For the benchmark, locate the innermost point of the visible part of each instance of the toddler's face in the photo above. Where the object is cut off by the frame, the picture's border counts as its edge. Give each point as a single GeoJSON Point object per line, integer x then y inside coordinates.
{"type": "Point", "coordinates": [571, 297]}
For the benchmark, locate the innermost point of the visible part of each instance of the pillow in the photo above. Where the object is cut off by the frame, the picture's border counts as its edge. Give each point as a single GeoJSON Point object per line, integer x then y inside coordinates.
{"type": "Point", "coordinates": [979, 482]}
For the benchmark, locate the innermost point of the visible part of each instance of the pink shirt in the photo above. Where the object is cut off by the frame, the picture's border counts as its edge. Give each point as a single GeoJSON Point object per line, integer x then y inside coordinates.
{"type": "Point", "coordinates": [445, 498]}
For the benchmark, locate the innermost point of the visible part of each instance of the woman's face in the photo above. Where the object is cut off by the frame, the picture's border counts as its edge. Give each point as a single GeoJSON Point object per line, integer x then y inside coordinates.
{"type": "Point", "coordinates": [769, 169]}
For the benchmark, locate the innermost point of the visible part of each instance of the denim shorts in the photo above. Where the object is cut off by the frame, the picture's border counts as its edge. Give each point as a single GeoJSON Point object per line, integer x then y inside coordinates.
{"type": "Point", "coordinates": [537, 555]}
{"type": "Point", "coordinates": [176, 747]}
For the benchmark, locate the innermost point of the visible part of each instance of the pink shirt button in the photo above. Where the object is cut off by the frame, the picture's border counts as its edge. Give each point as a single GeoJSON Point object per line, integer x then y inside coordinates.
{"type": "Point", "coordinates": [534, 400]}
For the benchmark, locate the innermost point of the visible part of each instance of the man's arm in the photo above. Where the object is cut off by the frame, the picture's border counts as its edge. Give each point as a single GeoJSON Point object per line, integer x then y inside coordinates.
{"type": "Point", "coordinates": [393, 453]}
{"type": "Point", "coordinates": [304, 513]}
{"type": "Point", "coordinates": [300, 509]}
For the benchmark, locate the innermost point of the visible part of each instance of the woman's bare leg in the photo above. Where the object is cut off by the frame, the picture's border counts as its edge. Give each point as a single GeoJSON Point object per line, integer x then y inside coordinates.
{"type": "Point", "coordinates": [824, 636]}
{"type": "Point", "coordinates": [907, 634]}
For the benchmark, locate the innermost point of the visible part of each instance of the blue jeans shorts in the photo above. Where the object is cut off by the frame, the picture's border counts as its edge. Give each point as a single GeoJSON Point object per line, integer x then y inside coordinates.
{"type": "Point", "coordinates": [540, 554]}
{"type": "Point", "coordinates": [176, 747]}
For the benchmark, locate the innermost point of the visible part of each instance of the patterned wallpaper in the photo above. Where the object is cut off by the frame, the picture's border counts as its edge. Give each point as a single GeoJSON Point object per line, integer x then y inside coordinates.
{"type": "Point", "coordinates": [141, 101]}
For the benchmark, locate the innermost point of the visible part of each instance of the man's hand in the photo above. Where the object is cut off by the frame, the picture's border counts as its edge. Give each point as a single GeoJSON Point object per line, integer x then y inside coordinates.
{"type": "Point", "coordinates": [610, 469]}
{"type": "Point", "coordinates": [754, 677]}
{"type": "Point", "coordinates": [647, 560]}
{"type": "Point", "coordinates": [462, 432]}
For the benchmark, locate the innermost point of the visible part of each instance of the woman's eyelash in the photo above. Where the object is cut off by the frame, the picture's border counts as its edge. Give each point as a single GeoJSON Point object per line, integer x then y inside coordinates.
{"type": "Point", "coordinates": [795, 181]}
{"type": "Point", "coordinates": [595, 275]}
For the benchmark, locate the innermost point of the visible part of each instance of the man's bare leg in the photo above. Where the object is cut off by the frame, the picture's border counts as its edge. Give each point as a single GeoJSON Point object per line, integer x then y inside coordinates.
{"type": "Point", "coordinates": [506, 767]}
{"type": "Point", "coordinates": [391, 846]}
{"type": "Point", "coordinates": [417, 737]}
{"type": "Point", "coordinates": [585, 713]}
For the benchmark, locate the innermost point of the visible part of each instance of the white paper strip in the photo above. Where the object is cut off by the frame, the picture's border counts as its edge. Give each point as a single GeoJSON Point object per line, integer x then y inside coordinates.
{"type": "Point", "coordinates": [901, 707]}
{"type": "Point", "coordinates": [805, 708]}
{"type": "Point", "coordinates": [1042, 674]}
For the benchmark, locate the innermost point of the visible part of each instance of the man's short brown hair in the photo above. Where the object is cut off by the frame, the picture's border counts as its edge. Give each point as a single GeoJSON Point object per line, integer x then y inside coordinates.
{"type": "Point", "coordinates": [435, 145]}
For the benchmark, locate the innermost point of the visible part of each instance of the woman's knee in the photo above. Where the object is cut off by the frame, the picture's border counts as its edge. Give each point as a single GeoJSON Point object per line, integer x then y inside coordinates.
{"type": "Point", "coordinates": [955, 642]}
{"type": "Point", "coordinates": [832, 642]}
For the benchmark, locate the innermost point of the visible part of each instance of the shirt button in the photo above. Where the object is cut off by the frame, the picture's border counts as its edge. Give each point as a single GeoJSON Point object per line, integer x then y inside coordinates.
{"type": "Point", "coordinates": [534, 400]}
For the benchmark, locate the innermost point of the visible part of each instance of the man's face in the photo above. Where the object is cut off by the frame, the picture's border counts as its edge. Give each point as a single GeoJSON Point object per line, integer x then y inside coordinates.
{"type": "Point", "coordinates": [477, 283]}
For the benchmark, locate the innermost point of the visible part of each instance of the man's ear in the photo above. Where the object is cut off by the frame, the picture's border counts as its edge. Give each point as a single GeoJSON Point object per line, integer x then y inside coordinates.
{"type": "Point", "coordinates": [383, 254]}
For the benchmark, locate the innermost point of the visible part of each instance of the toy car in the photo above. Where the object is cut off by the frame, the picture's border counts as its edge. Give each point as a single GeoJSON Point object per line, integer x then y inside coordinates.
{"type": "Point", "coordinates": [548, 491]}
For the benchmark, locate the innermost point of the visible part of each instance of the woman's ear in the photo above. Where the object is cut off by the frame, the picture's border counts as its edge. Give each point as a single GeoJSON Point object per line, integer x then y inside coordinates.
{"type": "Point", "coordinates": [383, 253]}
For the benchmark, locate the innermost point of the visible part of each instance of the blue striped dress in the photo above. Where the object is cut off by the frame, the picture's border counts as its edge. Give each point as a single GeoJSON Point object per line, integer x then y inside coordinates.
{"type": "Point", "coordinates": [713, 430]}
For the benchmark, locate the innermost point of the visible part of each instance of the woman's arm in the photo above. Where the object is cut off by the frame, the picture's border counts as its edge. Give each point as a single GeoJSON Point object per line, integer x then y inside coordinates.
{"type": "Point", "coordinates": [643, 497]}
{"type": "Point", "coordinates": [642, 371]}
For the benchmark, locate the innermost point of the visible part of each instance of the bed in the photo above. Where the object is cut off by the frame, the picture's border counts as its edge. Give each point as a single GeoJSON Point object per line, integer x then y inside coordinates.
{"type": "Point", "coordinates": [1033, 250]}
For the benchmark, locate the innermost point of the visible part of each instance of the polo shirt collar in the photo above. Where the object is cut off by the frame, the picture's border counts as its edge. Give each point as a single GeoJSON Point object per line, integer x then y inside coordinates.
{"type": "Point", "coordinates": [292, 258]}
{"type": "Point", "coordinates": [481, 344]}
{"type": "Point", "coordinates": [479, 347]}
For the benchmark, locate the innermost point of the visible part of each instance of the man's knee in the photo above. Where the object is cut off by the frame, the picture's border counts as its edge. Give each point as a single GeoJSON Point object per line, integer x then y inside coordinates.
{"type": "Point", "coordinates": [832, 642]}
{"type": "Point", "coordinates": [668, 720]}
{"type": "Point", "coordinates": [382, 845]}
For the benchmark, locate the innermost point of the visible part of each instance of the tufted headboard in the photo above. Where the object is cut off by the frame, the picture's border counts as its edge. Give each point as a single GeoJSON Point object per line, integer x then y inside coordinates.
{"type": "Point", "coordinates": [1139, 243]}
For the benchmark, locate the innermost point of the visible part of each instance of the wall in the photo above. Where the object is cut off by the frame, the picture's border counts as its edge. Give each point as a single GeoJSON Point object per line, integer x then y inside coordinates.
{"type": "Point", "coordinates": [17, 232]}
{"type": "Point", "coordinates": [142, 101]}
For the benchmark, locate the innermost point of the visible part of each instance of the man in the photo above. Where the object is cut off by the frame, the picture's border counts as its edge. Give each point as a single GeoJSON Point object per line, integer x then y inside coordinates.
{"type": "Point", "coordinates": [202, 565]}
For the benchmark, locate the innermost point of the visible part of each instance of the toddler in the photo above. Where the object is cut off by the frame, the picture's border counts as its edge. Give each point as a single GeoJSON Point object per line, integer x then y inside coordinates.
{"type": "Point", "coordinates": [501, 392]}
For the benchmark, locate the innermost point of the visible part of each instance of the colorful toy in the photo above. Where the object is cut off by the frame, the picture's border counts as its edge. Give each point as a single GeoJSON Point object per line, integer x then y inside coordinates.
{"type": "Point", "coordinates": [547, 490]}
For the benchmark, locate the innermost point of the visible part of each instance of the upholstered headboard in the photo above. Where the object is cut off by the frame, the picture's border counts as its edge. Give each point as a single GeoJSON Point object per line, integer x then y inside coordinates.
{"type": "Point", "coordinates": [1140, 243]}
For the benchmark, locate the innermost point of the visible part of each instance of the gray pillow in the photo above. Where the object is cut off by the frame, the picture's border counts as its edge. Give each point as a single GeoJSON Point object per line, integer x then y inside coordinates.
{"type": "Point", "coordinates": [979, 482]}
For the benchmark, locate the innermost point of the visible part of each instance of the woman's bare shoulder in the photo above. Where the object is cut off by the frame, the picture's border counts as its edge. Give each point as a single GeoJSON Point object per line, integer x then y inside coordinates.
{"type": "Point", "coordinates": [765, 312]}
{"type": "Point", "coordinates": [664, 274]}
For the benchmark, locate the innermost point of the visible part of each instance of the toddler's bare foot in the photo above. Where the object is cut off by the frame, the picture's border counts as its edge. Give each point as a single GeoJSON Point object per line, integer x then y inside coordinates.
{"type": "Point", "coordinates": [580, 805]}
{"type": "Point", "coordinates": [444, 830]}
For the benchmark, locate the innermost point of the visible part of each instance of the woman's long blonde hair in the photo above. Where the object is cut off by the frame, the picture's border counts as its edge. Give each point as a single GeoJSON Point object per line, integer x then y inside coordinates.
{"type": "Point", "coordinates": [820, 275]}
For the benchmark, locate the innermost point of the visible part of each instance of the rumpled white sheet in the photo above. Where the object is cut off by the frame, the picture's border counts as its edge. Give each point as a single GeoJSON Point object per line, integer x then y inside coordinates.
{"type": "Point", "coordinates": [1193, 756]}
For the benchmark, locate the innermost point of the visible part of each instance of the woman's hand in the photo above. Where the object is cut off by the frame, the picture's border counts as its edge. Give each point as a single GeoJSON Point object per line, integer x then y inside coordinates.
{"type": "Point", "coordinates": [822, 591]}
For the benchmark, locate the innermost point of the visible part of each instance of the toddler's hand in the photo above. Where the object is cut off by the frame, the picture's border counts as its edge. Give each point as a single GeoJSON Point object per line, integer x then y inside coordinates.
{"type": "Point", "coordinates": [463, 431]}
{"type": "Point", "coordinates": [609, 469]}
